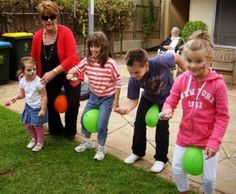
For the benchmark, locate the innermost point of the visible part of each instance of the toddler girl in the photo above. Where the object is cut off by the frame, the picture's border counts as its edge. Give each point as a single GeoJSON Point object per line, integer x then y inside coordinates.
{"type": "Point", "coordinates": [35, 113]}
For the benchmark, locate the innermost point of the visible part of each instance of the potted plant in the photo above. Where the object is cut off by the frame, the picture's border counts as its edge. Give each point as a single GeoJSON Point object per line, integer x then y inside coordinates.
{"type": "Point", "coordinates": [192, 26]}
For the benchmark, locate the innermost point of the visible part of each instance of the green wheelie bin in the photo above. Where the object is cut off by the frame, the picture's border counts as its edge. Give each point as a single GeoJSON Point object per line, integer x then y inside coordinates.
{"type": "Point", "coordinates": [21, 46]}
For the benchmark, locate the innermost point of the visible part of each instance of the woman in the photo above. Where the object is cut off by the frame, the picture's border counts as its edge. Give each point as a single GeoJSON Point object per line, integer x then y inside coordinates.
{"type": "Point", "coordinates": [171, 44]}
{"type": "Point", "coordinates": [54, 49]}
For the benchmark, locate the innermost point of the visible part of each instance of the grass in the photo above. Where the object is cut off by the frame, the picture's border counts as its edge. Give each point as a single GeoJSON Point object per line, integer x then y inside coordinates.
{"type": "Point", "coordinates": [58, 169]}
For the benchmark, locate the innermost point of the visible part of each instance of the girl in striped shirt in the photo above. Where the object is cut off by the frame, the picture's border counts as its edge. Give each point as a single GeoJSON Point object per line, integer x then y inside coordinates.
{"type": "Point", "coordinates": [105, 82]}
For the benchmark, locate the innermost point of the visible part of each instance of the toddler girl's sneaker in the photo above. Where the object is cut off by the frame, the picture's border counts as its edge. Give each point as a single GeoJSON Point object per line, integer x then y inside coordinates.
{"type": "Point", "coordinates": [100, 154]}
{"type": "Point", "coordinates": [84, 146]}
{"type": "Point", "coordinates": [37, 148]}
{"type": "Point", "coordinates": [31, 144]}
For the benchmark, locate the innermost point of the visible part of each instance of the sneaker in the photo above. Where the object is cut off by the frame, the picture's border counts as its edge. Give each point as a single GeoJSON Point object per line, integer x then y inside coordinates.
{"type": "Point", "coordinates": [31, 144]}
{"type": "Point", "coordinates": [132, 158]}
{"type": "Point", "coordinates": [84, 146]}
{"type": "Point", "coordinates": [100, 153]}
{"type": "Point", "coordinates": [37, 148]}
{"type": "Point", "coordinates": [158, 166]}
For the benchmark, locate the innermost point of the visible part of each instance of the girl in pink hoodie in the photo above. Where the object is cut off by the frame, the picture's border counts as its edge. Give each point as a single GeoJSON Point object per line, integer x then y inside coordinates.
{"type": "Point", "coordinates": [204, 99]}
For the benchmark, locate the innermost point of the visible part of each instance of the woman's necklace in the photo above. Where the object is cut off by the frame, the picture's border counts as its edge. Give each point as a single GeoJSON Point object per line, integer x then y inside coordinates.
{"type": "Point", "coordinates": [50, 40]}
{"type": "Point", "coordinates": [50, 53]}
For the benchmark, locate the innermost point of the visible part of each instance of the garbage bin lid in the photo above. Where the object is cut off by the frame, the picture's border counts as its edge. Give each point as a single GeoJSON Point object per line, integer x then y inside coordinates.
{"type": "Point", "coordinates": [17, 34]}
{"type": "Point", "coordinates": [5, 44]}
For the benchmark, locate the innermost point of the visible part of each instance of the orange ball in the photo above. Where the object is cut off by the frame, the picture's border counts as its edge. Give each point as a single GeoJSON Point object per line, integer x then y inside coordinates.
{"type": "Point", "coordinates": [60, 104]}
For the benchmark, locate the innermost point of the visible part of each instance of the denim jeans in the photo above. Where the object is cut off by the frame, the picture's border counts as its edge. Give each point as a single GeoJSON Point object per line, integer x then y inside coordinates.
{"type": "Point", "coordinates": [104, 104]}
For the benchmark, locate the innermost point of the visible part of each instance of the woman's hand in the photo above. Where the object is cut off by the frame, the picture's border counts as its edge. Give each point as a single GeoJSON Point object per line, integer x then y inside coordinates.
{"type": "Point", "coordinates": [69, 76]}
{"type": "Point", "coordinates": [48, 76]}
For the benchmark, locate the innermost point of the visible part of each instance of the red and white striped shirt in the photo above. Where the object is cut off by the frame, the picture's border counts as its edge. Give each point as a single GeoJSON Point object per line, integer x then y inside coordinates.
{"type": "Point", "coordinates": [103, 80]}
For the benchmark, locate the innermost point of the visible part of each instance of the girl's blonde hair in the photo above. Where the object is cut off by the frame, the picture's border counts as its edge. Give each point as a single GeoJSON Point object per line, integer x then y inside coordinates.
{"type": "Point", "coordinates": [23, 61]}
{"type": "Point", "coordinates": [48, 8]}
{"type": "Point", "coordinates": [200, 40]}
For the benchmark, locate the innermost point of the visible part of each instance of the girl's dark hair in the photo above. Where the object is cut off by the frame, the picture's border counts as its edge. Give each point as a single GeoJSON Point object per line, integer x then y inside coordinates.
{"type": "Point", "coordinates": [136, 56]}
{"type": "Point", "coordinates": [23, 61]}
{"type": "Point", "coordinates": [99, 39]}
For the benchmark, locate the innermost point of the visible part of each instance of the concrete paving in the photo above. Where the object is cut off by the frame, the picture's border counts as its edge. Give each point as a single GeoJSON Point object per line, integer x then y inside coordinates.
{"type": "Point", "coordinates": [121, 130]}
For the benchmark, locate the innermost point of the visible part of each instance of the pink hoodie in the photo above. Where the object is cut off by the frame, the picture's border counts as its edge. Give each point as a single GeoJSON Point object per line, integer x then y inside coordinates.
{"type": "Point", "coordinates": [205, 109]}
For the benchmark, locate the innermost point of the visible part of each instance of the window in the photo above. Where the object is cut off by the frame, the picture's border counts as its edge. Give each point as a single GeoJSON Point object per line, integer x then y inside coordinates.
{"type": "Point", "coordinates": [225, 26]}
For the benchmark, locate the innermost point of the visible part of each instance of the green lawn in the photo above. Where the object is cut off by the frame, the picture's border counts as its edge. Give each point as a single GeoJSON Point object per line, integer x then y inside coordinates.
{"type": "Point", "coordinates": [58, 169]}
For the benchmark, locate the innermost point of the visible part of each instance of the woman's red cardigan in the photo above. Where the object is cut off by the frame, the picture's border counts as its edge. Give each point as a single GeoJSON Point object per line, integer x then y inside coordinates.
{"type": "Point", "coordinates": [66, 49]}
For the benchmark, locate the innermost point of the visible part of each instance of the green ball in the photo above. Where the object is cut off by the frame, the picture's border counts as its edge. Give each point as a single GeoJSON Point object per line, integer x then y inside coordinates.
{"type": "Point", "coordinates": [152, 116]}
{"type": "Point", "coordinates": [193, 161]}
{"type": "Point", "coordinates": [90, 120]}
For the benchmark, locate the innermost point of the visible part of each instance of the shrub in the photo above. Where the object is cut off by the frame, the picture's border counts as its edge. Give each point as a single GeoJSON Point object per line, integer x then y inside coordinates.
{"type": "Point", "coordinates": [192, 26]}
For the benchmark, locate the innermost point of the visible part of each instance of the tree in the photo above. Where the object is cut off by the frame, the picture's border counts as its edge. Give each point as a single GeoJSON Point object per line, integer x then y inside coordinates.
{"type": "Point", "coordinates": [149, 16]}
{"type": "Point", "coordinates": [110, 16]}
{"type": "Point", "coordinates": [15, 14]}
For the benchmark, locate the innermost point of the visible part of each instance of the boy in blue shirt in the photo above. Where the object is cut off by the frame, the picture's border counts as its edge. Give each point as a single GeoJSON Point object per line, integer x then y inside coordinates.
{"type": "Point", "coordinates": [155, 78]}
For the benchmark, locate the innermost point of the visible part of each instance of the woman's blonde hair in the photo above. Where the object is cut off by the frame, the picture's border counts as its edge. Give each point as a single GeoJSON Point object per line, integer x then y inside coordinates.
{"type": "Point", "coordinates": [199, 40]}
{"type": "Point", "coordinates": [48, 8]}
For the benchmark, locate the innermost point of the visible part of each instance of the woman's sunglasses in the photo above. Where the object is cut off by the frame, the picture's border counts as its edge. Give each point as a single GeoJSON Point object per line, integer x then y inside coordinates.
{"type": "Point", "coordinates": [51, 17]}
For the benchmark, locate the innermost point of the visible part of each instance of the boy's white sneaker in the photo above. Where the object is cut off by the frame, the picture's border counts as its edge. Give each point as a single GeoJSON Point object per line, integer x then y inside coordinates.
{"type": "Point", "coordinates": [100, 154]}
{"type": "Point", "coordinates": [158, 166]}
{"type": "Point", "coordinates": [37, 148]}
{"type": "Point", "coordinates": [31, 144]}
{"type": "Point", "coordinates": [132, 158]}
{"type": "Point", "coordinates": [84, 146]}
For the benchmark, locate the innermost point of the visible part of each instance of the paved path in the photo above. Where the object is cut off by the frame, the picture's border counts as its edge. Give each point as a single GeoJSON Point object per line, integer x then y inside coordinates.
{"type": "Point", "coordinates": [121, 131]}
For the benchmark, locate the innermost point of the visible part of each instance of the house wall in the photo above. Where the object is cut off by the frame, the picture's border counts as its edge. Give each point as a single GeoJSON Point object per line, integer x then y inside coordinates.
{"type": "Point", "coordinates": [174, 13]}
{"type": "Point", "coordinates": [165, 19]}
{"type": "Point", "coordinates": [204, 11]}
{"type": "Point", "coordinates": [178, 13]}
